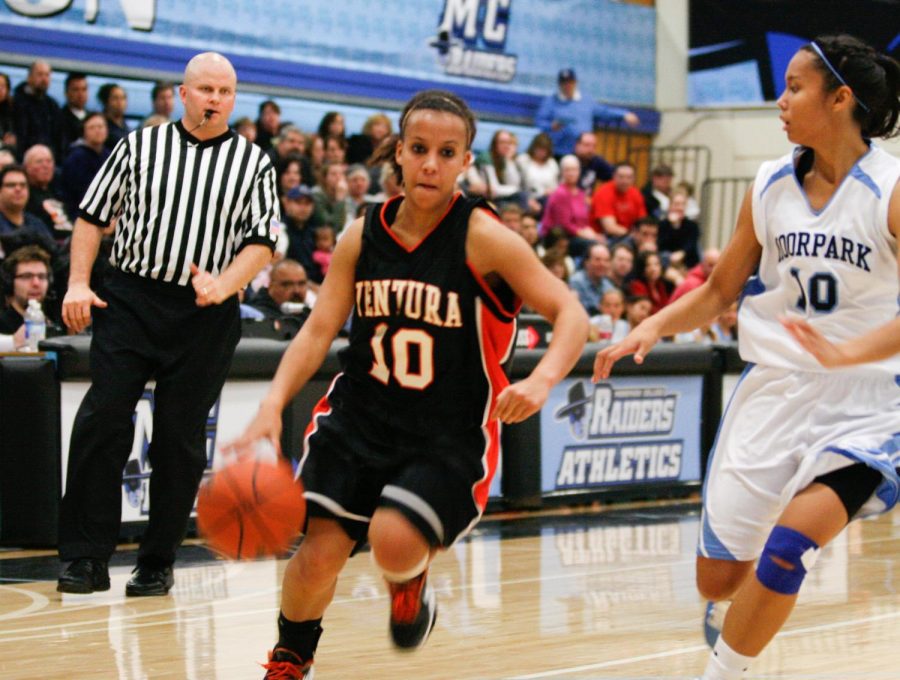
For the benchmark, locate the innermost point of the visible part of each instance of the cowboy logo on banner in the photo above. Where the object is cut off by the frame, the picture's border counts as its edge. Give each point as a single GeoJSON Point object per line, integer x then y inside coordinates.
{"type": "Point", "coordinates": [471, 39]}
{"type": "Point", "coordinates": [627, 431]}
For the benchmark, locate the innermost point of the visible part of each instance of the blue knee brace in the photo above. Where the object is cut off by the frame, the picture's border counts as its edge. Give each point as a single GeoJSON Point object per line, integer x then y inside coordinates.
{"type": "Point", "coordinates": [792, 547]}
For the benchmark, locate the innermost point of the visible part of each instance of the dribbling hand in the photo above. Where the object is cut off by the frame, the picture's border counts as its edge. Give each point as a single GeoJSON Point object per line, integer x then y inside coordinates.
{"type": "Point", "coordinates": [77, 303]}
{"type": "Point", "coordinates": [640, 341]}
{"type": "Point", "coordinates": [265, 425]}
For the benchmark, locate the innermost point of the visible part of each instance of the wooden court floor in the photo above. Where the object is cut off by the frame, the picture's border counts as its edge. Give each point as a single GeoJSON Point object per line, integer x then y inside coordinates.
{"type": "Point", "coordinates": [593, 595]}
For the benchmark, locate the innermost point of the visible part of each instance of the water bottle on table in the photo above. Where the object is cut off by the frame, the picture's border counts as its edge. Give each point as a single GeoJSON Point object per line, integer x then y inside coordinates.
{"type": "Point", "coordinates": [35, 326]}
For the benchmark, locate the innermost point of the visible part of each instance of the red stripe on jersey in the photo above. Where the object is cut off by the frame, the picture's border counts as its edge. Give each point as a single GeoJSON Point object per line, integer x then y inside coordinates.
{"type": "Point", "coordinates": [322, 407]}
{"type": "Point", "coordinates": [482, 487]}
{"type": "Point", "coordinates": [496, 340]}
{"type": "Point", "coordinates": [508, 313]}
{"type": "Point", "coordinates": [434, 226]}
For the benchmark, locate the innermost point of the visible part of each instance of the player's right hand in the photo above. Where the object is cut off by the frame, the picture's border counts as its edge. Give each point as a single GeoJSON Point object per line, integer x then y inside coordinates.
{"type": "Point", "coordinates": [640, 341]}
{"type": "Point", "coordinates": [77, 303]}
{"type": "Point", "coordinates": [266, 425]}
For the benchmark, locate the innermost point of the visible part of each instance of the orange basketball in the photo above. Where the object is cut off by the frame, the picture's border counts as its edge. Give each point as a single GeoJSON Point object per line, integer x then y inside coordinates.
{"type": "Point", "coordinates": [252, 507]}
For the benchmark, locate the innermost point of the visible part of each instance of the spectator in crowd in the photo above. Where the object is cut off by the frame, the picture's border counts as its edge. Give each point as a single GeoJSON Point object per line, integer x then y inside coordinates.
{"type": "Point", "coordinates": [15, 221]}
{"type": "Point", "coordinates": [529, 230]}
{"type": "Point", "coordinates": [162, 98]}
{"type": "Point", "coordinates": [7, 117]}
{"type": "Point", "coordinates": [698, 274]}
{"type": "Point", "coordinates": [315, 150]}
{"type": "Point", "coordinates": [725, 328]}
{"type": "Point", "coordinates": [74, 112]}
{"type": "Point", "coordinates": [679, 236]}
{"type": "Point", "coordinates": [539, 169]}
{"type": "Point", "coordinates": [36, 112]}
{"type": "Point", "coordinates": [610, 323]}
{"type": "Point", "coordinates": [649, 282]}
{"type": "Point", "coordinates": [335, 150]}
{"type": "Point", "coordinates": [325, 242]}
{"type": "Point", "coordinates": [594, 167]}
{"type": "Point", "coordinates": [658, 190]}
{"type": "Point", "coordinates": [511, 215]}
{"type": "Point", "coordinates": [617, 204]}
{"type": "Point", "coordinates": [332, 125]}
{"type": "Point", "coordinates": [692, 208]}
{"type": "Point", "coordinates": [375, 130]}
{"type": "Point", "coordinates": [290, 142]}
{"type": "Point", "coordinates": [358, 182]}
{"type": "Point", "coordinates": [46, 199]}
{"type": "Point", "coordinates": [637, 309]}
{"type": "Point", "coordinates": [6, 158]}
{"type": "Point", "coordinates": [622, 266]}
{"type": "Point", "coordinates": [115, 104]}
{"type": "Point", "coordinates": [567, 207]}
{"type": "Point", "coordinates": [26, 276]}
{"type": "Point", "coordinates": [644, 235]}
{"type": "Point", "coordinates": [287, 283]}
{"type": "Point", "coordinates": [390, 187]}
{"type": "Point", "coordinates": [592, 281]}
{"type": "Point", "coordinates": [502, 179]}
{"type": "Point", "coordinates": [298, 213]}
{"type": "Point", "coordinates": [557, 266]}
{"type": "Point", "coordinates": [565, 114]}
{"type": "Point", "coordinates": [83, 161]}
{"type": "Point", "coordinates": [246, 128]}
{"type": "Point", "coordinates": [330, 194]}
{"type": "Point", "coordinates": [268, 124]}
{"type": "Point", "coordinates": [289, 171]}
{"type": "Point", "coordinates": [556, 243]}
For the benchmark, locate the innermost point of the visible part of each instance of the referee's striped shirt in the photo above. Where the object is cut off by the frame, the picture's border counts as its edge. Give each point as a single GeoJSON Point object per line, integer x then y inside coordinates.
{"type": "Point", "coordinates": [181, 200]}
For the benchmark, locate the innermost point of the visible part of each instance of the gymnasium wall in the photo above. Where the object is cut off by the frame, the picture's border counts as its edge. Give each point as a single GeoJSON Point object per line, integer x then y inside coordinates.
{"type": "Point", "coordinates": [741, 137]}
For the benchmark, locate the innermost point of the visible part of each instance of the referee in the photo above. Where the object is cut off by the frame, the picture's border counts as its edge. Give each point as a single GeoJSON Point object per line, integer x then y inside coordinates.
{"type": "Point", "coordinates": [196, 215]}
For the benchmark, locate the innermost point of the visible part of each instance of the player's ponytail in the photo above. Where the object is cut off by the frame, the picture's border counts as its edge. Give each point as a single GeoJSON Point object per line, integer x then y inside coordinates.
{"type": "Point", "coordinates": [387, 153]}
{"type": "Point", "coordinates": [873, 78]}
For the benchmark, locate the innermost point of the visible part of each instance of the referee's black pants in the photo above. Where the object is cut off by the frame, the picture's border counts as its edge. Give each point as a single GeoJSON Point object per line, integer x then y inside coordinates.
{"type": "Point", "coordinates": [150, 330]}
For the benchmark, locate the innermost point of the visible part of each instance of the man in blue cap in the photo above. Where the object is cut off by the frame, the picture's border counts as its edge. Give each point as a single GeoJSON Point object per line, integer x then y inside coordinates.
{"type": "Point", "coordinates": [566, 114]}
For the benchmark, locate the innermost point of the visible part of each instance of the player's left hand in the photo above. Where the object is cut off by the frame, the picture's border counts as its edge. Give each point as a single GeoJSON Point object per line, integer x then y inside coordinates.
{"type": "Point", "coordinates": [826, 352]}
{"type": "Point", "coordinates": [521, 400]}
{"type": "Point", "coordinates": [206, 286]}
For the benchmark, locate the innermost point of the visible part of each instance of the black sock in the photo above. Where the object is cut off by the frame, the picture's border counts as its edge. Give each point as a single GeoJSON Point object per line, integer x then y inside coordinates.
{"type": "Point", "coordinates": [301, 637]}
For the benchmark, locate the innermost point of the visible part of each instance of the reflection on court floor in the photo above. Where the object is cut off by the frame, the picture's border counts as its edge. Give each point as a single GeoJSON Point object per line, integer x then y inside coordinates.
{"type": "Point", "coordinates": [603, 595]}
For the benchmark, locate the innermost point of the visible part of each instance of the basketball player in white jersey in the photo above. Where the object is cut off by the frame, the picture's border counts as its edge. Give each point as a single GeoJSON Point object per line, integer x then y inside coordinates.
{"type": "Point", "coordinates": [804, 447]}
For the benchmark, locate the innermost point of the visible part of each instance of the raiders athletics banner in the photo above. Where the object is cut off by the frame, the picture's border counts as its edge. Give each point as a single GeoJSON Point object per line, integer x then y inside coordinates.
{"type": "Point", "coordinates": [620, 432]}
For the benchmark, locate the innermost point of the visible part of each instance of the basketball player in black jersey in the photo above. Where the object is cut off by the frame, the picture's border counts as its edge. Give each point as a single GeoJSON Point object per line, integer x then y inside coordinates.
{"type": "Point", "coordinates": [402, 449]}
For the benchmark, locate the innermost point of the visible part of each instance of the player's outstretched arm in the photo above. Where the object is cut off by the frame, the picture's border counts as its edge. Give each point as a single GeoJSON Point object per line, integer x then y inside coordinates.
{"type": "Point", "coordinates": [309, 348]}
{"type": "Point", "coordinates": [494, 248]}
{"type": "Point", "coordinates": [739, 259]}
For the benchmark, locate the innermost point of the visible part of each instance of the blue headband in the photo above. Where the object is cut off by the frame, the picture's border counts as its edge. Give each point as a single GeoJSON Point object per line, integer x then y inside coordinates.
{"type": "Point", "coordinates": [818, 50]}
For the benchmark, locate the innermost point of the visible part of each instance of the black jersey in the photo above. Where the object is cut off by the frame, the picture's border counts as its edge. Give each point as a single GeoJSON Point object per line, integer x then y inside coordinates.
{"type": "Point", "coordinates": [429, 340]}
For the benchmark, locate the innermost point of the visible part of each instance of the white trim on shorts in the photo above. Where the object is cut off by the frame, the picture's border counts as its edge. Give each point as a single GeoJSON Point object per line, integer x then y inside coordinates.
{"type": "Point", "coordinates": [418, 505]}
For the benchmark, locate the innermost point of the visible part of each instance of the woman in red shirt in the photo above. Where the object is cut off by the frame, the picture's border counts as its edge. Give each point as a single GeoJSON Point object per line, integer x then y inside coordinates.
{"type": "Point", "coordinates": [649, 280]}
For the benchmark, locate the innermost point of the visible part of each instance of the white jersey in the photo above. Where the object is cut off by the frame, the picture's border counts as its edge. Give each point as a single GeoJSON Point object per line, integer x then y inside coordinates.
{"type": "Point", "coordinates": [836, 266]}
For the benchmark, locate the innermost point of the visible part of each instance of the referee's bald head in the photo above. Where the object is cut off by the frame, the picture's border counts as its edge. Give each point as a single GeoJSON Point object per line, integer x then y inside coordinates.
{"type": "Point", "coordinates": [205, 61]}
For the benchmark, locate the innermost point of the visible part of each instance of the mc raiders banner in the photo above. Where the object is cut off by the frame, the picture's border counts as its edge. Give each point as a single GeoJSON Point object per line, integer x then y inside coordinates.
{"type": "Point", "coordinates": [623, 431]}
{"type": "Point", "coordinates": [501, 55]}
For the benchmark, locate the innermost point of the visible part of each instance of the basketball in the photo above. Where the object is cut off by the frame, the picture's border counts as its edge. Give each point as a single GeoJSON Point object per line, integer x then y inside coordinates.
{"type": "Point", "coordinates": [252, 507]}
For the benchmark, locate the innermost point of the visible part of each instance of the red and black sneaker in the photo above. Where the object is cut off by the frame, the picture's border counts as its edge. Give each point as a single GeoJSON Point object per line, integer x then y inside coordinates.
{"type": "Point", "coordinates": [285, 665]}
{"type": "Point", "coordinates": [413, 611]}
